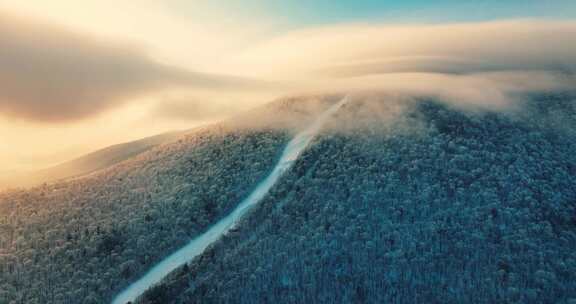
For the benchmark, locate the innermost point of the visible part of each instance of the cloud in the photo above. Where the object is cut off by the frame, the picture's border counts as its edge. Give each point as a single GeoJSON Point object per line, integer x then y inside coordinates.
{"type": "Point", "coordinates": [52, 74]}
{"type": "Point", "coordinates": [351, 50]}
{"type": "Point", "coordinates": [195, 109]}
{"type": "Point", "coordinates": [484, 63]}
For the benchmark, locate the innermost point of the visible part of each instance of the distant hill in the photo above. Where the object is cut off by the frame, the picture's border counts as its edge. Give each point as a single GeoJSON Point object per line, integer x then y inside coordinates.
{"type": "Point", "coordinates": [88, 163]}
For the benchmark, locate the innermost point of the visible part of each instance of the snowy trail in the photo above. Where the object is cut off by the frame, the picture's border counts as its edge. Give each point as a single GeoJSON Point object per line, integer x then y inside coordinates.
{"type": "Point", "coordinates": [197, 246]}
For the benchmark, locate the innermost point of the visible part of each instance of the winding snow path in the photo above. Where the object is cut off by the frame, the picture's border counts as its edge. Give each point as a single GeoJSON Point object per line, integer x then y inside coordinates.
{"type": "Point", "coordinates": [197, 246]}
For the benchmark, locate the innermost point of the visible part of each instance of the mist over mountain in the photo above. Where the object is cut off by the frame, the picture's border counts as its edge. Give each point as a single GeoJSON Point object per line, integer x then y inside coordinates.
{"type": "Point", "coordinates": [332, 152]}
{"type": "Point", "coordinates": [400, 199]}
{"type": "Point", "coordinates": [437, 205]}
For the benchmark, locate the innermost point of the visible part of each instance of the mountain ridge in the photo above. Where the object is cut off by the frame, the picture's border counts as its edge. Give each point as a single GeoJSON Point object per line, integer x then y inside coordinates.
{"type": "Point", "coordinates": [88, 163]}
{"type": "Point", "coordinates": [475, 207]}
{"type": "Point", "coordinates": [396, 201]}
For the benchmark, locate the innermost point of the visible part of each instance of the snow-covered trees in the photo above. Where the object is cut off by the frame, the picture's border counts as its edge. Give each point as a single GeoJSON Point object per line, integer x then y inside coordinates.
{"type": "Point", "coordinates": [80, 241]}
{"type": "Point", "coordinates": [472, 208]}
{"type": "Point", "coordinates": [435, 206]}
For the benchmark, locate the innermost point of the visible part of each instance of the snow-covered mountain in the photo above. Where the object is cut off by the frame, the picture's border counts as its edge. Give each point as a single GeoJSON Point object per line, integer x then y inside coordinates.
{"type": "Point", "coordinates": [80, 240]}
{"type": "Point", "coordinates": [396, 200]}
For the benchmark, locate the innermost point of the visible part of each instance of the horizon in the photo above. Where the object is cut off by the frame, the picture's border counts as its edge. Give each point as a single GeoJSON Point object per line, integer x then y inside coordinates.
{"type": "Point", "coordinates": [73, 84]}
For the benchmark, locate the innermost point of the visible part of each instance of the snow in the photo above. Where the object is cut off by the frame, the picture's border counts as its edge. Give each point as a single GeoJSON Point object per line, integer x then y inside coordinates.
{"type": "Point", "coordinates": [197, 246]}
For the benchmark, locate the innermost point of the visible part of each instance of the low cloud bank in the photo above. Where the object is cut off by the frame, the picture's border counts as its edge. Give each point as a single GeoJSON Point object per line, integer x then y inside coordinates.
{"type": "Point", "coordinates": [479, 64]}
{"type": "Point", "coordinates": [50, 74]}
{"type": "Point", "coordinates": [354, 50]}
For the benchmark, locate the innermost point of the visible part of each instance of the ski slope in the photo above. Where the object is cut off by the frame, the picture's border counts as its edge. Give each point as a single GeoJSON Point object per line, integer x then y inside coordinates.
{"type": "Point", "coordinates": [197, 246]}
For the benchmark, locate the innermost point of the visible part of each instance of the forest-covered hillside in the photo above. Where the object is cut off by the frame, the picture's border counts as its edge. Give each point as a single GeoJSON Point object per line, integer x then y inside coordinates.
{"type": "Point", "coordinates": [397, 201]}
{"type": "Point", "coordinates": [81, 241]}
{"type": "Point", "coordinates": [438, 205]}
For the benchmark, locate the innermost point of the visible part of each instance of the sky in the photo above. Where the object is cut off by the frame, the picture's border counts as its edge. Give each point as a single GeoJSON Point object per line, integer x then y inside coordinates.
{"type": "Point", "coordinates": [329, 11]}
{"type": "Point", "coordinates": [76, 76]}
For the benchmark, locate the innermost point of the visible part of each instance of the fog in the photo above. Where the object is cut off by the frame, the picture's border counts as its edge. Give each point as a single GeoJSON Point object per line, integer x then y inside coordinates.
{"type": "Point", "coordinates": [62, 89]}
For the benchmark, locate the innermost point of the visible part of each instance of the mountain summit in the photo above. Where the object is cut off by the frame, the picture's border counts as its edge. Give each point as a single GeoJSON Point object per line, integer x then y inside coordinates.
{"type": "Point", "coordinates": [396, 200]}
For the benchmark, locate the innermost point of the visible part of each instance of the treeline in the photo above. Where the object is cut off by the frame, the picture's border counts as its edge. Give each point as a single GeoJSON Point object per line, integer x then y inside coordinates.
{"type": "Point", "coordinates": [466, 207]}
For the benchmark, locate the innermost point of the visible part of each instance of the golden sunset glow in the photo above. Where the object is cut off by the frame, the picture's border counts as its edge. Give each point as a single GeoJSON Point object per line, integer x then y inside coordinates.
{"type": "Point", "coordinates": [96, 73]}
